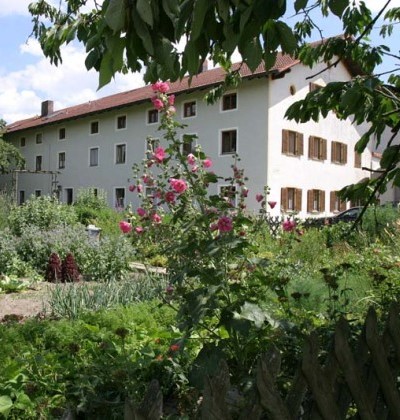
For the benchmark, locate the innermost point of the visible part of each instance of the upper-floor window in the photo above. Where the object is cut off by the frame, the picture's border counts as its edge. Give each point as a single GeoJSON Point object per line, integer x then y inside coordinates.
{"type": "Point", "coordinates": [357, 159]}
{"type": "Point", "coordinates": [94, 127]}
{"type": "Point", "coordinates": [315, 201]}
{"type": "Point", "coordinates": [61, 160]}
{"type": "Point", "coordinates": [38, 163]}
{"type": "Point", "coordinates": [314, 86]}
{"type": "Point", "coordinates": [317, 148]}
{"type": "Point", "coordinates": [291, 199]}
{"type": "Point", "coordinates": [229, 101]}
{"type": "Point", "coordinates": [22, 142]}
{"type": "Point", "coordinates": [339, 152]}
{"type": "Point", "coordinates": [228, 142]}
{"type": "Point", "coordinates": [188, 144]}
{"type": "Point", "coordinates": [94, 156]}
{"type": "Point", "coordinates": [61, 133]}
{"type": "Point", "coordinates": [292, 143]}
{"type": "Point", "coordinates": [152, 116]}
{"type": "Point", "coordinates": [336, 204]}
{"type": "Point", "coordinates": [120, 153]}
{"type": "Point", "coordinates": [121, 122]}
{"type": "Point", "coordinates": [39, 138]}
{"type": "Point", "coordinates": [189, 109]}
{"type": "Point", "coordinates": [119, 197]}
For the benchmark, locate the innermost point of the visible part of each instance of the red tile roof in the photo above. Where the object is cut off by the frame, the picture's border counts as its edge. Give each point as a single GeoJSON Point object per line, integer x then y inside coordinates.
{"type": "Point", "coordinates": [206, 79]}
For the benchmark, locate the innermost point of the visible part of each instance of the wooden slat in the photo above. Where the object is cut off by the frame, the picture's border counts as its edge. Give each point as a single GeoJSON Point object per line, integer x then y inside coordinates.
{"type": "Point", "coordinates": [296, 394]}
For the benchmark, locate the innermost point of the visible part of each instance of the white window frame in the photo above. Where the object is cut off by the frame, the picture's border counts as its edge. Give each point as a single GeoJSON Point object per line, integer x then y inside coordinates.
{"type": "Point", "coordinates": [41, 163]}
{"type": "Point", "coordinates": [220, 141]}
{"type": "Point", "coordinates": [115, 197]}
{"type": "Point", "coordinates": [221, 106]}
{"type": "Point", "coordinates": [116, 122]}
{"type": "Point", "coordinates": [90, 127]}
{"type": "Point", "coordinates": [58, 159]}
{"type": "Point", "coordinates": [195, 140]}
{"type": "Point", "coordinates": [147, 116]}
{"type": "Point", "coordinates": [89, 156]}
{"type": "Point", "coordinates": [20, 142]}
{"type": "Point", "coordinates": [115, 153]}
{"type": "Point", "coordinates": [183, 110]}
{"type": "Point", "coordinates": [39, 135]}
{"type": "Point", "coordinates": [65, 134]}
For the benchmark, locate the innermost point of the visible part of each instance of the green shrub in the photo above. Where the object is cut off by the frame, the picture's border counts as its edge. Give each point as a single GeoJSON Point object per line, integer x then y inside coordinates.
{"type": "Point", "coordinates": [43, 212]}
{"type": "Point", "coordinates": [6, 204]}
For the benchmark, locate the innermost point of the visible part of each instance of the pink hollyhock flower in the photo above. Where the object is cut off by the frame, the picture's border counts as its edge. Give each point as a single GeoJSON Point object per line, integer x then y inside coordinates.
{"type": "Point", "coordinates": [191, 159]}
{"type": "Point", "coordinates": [288, 225]}
{"type": "Point", "coordinates": [244, 192]}
{"type": "Point", "coordinates": [161, 87]}
{"type": "Point", "coordinates": [156, 218]}
{"type": "Point", "coordinates": [195, 168]}
{"type": "Point", "coordinates": [171, 99]}
{"type": "Point", "coordinates": [171, 110]}
{"type": "Point", "coordinates": [159, 154]}
{"type": "Point", "coordinates": [213, 227]}
{"type": "Point", "coordinates": [157, 103]}
{"type": "Point", "coordinates": [139, 230]}
{"type": "Point", "coordinates": [125, 227]}
{"type": "Point", "coordinates": [141, 212]}
{"type": "Point", "coordinates": [178, 185]}
{"type": "Point", "coordinates": [158, 194]}
{"type": "Point", "coordinates": [207, 163]}
{"type": "Point", "coordinates": [132, 188]}
{"type": "Point", "coordinates": [272, 204]}
{"type": "Point", "coordinates": [169, 289]}
{"type": "Point", "coordinates": [170, 197]}
{"type": "Point", "coordinates": [147, 179]}
{"type": "Point", "coordinates": [259, 197]}
{"type": "Point", "coordinates": [139, 188]}
{"type": "Point", "coordinates": [224, 224]}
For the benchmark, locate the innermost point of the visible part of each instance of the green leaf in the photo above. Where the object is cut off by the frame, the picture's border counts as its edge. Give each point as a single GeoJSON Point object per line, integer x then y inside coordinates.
{"type": "Point", "coordinates": [389, 156]}
{"type": "Point", "coordinates": [287, 38]}
{"type": "Point", "coordinates": [5, 405]}
{"type": "Point", "coordinates": [143, 32]}
{"type": "Point", "coordinates": [338, 6]}
{"type": "Point", "coordinates": [199, 13]}
{"type": "Point", "coordinates": [145, 11]}
{"type": "Point", "coordinates": [253, 313]}
{"type": "Point", "coordinates": [300, 4]}
{"type": "Point", "coordinates": [115, 14]}
{"type": "Point", "coordinates": [105, 72]}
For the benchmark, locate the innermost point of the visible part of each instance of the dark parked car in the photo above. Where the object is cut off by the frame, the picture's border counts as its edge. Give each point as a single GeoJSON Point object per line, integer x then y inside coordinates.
{"type": "Point", "coordinates": [349, 215]}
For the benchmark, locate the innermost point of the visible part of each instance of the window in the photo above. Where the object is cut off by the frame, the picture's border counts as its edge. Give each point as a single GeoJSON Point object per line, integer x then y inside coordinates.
{"type": "Point", "coordinates": [151, 146]}
{"type": "Point", "coordinates": [21, 197]}
{"type": "Point", "coordinates": [317, 148]}
{"type": "Point", "coordinates": [120, 153]}
{"type": "Point", "coordinates": [339, 153]}
{"type": "Point", "coordinates": [189, 109]}
{"type": "Point", "coordinates": [229, 102]}
{"type": "Point", "coordinates": [150, 192]}
{"type": "Point", "coordinates": [69, 195]}
{"type": "Point", "coordinates": [357, 159]}
{"type": "Point", "coordinates": [38, 163]}
{"type": "Point", "coordinates": [120, 197]}
{"type": "Point", "coordinates": [152, 116]}
{"type": "Point", "coordinates": [292, 143]}
{"type": "Point", "coordinates": [38, 193]}
{"type": "Point", "coordinates": [188, 144]}
{"type": "Point", "coordinates": [291, 199]}
{"type": "Point", "coordinates": [61, 134]}
{"type": "Point", "coordinates": [228, 142]}
{"type": "Point", "coordinates": [121, 122]}
{"type": "Point", "coordinates": [94, 156]}
{"type": "Point", "coordinates": [336, 204]}
{"type": "Point", "coordinates": [39, 138]}
{"type": "Point", "coordinates": [228, 193]}
{"type": "Point", "coordinates": [22, 142]}
{"type": "Point", "coordinates": [315, 201]}
{"type": "Point", "coordinates": [61, 160]}
{"type": "Point", "coordinates": [94, 127]}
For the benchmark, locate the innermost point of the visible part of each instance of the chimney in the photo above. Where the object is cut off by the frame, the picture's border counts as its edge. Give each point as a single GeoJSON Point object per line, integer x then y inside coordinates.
{"type": "Point", "coordinates": [47, 108]}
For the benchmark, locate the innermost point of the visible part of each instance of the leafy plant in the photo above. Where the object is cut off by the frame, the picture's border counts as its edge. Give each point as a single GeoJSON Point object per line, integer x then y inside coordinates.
{"type": "Point", "coordinates": [69, 270]}
{"type": "Point", "coordinates": [54, 269]}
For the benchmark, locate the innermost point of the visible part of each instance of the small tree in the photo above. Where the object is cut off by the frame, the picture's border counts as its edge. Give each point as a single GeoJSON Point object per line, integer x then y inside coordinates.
{"type": "Point", "coordinates": [69, 270]}
{"type": "Point", "coordinates": [53, 271]}
{"type": "Point", "coordinates": [10, 157]}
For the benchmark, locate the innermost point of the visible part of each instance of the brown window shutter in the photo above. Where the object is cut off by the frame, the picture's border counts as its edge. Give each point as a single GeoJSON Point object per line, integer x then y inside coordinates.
{"type": "Point", "coordinates": [311, 147]}
{"type": "Point", "coordinates": [285, 141]}
{"type": "Point", "coordinates": [344, 154]}
{"type": "Point", "coordinates": [300, 144]}
{"type": "Point", "coordinates": [324, 149]}
{"type": "Point", "coordinates": [310, 194]}
{"type": "Point", "coordinates": [284, 198]}
{"type": "Point", "coordinates": [332, 200]}
{"type": "Point", "coordinates": [342, 205]}
{"type": "Point", "coordinates": [357, 159]}
{"type": "Point", "coordinates": [333, 152]}
{"type": "Point", "coordinates": [322, 200]}
{"type": "Point", "coordinates": [297, 198]}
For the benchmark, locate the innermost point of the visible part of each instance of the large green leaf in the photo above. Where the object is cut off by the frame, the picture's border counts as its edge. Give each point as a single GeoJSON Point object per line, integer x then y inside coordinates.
{"type": "Point", "coordinates": [389, 156]}
{"type": "Point", "coordinates": [115, 14]}
{"type": "Point", "coordinates": [199, 13]}
{"type": "Point", "coordinates": [338, 6]}
{"type": "Point", "coordinates": [300, 4]}
{"type": "Point", "coordinates": [287, 38]}
{"type": "Point", "coordinates": [145, 11]}
{"type": "Point", "coordinates": [5, 405]}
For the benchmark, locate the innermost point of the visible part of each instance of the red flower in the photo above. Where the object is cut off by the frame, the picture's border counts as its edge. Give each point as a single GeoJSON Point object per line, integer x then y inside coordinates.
{"type": "Point", "coordinates": [174, 347]}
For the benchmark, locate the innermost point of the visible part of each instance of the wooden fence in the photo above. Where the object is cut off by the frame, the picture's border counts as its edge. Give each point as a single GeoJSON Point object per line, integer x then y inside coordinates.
{"type": "Point", "coordinates": [357, 381]}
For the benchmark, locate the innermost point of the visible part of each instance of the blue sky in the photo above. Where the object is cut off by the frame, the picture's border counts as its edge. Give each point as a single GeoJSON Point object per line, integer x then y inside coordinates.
{"type": "Point", "coordinates": [27, 78]}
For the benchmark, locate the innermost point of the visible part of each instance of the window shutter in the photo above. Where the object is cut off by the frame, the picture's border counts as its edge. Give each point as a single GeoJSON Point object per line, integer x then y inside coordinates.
{"type": "Point", "coordinates": [342, 205]}
{"type": "Point", "coordinates": [322, 200]}
{"type": "Point", "coordinates": [333, 152]}
{"type": "Point", "coordinates": [332, 200]}
{"type": "Point", "coordinates": [344, 153]}
{"type": "Point", "coordinates": [310, 194]}
{"type": "Point", "coordinates": [357, 159]}
{"type": "Point", "coordinates": [311, 147]}
{"type": "Point", "coordinates": [285, 141]}
{"type": "Point", "coordinates": [284, 198]}
{"type": "Point", "coordinates": [297, 198]}
{"type": "Point", "coordinates": [324, 149]}
{"type": "Point", "coordinates": [299, 145]}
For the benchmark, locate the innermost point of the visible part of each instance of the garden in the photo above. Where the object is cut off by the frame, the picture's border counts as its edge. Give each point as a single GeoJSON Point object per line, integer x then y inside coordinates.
{"type": "Point", "coordinates": [226, 290]}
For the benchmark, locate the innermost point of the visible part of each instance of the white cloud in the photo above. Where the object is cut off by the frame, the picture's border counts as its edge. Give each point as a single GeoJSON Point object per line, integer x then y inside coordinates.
{"type": "Point", "coordinates": [375, 5]}
{"type": "Point", "coordinates": [19, 7]}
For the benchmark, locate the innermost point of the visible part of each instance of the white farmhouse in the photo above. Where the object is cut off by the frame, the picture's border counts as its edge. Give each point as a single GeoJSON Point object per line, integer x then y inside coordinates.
{"type": "Point", "coordinates": [95, 144]}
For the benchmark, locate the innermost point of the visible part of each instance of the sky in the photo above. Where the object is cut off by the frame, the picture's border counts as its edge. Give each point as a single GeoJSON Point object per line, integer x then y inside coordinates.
{"type": "Point", "coordinates": [27, 78]}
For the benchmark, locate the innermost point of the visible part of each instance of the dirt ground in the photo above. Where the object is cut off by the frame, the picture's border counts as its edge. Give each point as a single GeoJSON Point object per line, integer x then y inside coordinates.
{"type": "Point", "coordinates": [27, 303]}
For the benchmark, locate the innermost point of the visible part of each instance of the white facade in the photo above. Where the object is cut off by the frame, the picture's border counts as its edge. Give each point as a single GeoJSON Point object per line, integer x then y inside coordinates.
{"type": "Point", "coordinates": [95, 159]}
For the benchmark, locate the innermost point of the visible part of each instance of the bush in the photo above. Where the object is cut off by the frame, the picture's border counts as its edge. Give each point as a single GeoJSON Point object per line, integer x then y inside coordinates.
{"type": "Point", "coordinates": [6, 204]}
{"type": "Point", "coordinates": [43, 212]}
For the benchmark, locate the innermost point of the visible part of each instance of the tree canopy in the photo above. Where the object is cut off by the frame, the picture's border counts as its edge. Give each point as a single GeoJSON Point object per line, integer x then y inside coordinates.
{"type": "Point", "coordinates": [10, 156]}
{"type": "Point", "coordinates": [135, 35]}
